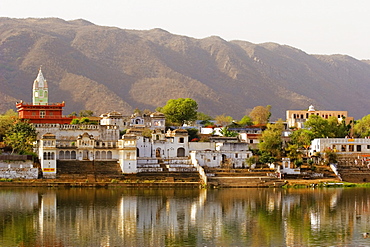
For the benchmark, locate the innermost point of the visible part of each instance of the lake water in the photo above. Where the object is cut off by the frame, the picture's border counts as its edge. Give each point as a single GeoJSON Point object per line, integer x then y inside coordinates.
{"type": "Point", "coordinates": [184, 217]}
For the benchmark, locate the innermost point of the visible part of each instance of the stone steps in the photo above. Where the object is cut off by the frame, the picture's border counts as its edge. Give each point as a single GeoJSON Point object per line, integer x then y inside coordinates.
{"type": "Point", "coordinates": [353, 173]}
{"type": "Point", "coordinates": [245, 182]}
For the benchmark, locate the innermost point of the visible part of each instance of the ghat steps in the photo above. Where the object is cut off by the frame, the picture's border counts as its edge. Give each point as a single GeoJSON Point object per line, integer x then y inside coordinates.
{"type": "Point", "coordinates": [242, 178]}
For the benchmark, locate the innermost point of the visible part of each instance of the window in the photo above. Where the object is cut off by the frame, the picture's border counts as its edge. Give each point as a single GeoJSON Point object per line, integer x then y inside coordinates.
{"type": "Point", "coordinates": [42, 114]}
{"type": "Point", "coordinates": [351, 148]}
{"type": "Point", "coordinates": [181, 140]}
{"type": "Point", "coordinates": [180, 152]}
{"type": "Point", "coordinates": [61, 155]}
{"type": "Point", "coordinates": [358, 148]}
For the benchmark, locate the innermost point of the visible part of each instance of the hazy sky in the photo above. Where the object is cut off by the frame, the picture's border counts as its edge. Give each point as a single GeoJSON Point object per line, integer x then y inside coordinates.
{"type": "Point", "coordinates": [314, 26]}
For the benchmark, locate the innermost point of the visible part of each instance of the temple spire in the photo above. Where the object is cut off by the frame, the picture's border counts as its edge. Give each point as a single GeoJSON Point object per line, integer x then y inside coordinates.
{"type": "Point", "coordinates": [40, 90]}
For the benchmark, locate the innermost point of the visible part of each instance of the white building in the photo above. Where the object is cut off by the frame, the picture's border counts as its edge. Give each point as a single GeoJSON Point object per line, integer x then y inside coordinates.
{"type": "Point", "coordinates": [341, 145]}
{"type": "Point", "coordinates": [152, 121]}
{"type": "Point", "coordinates": [221, 151]}
{"type": "Point", "coordinates": [103, 143]}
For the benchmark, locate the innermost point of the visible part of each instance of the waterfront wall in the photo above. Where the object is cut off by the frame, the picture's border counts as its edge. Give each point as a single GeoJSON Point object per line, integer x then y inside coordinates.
{"type": "Point", "coordinates": [24, 173]}
{"type": "Point", "coordinates": [18, 169]}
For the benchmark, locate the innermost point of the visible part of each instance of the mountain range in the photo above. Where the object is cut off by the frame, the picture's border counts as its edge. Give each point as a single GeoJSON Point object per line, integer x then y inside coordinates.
{"type": "Point", "coordinates": [105, 69]}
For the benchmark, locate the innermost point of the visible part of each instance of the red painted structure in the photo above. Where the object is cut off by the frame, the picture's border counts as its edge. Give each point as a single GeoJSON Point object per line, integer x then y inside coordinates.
{"type": "Point", "coordinates": [50, 113]}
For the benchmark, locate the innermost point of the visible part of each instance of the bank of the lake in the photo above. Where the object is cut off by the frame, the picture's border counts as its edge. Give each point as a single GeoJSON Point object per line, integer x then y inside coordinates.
{"type": "Point", "coordinates": [290, 183]}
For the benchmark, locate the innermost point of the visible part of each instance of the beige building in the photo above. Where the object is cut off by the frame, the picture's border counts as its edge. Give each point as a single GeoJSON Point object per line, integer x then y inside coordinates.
{"type": "Point", "coordinates": [297, 118]}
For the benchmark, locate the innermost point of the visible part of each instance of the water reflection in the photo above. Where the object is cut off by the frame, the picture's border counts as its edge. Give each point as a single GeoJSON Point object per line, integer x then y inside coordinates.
{"type": "Point", "coordinates": [184, 217]}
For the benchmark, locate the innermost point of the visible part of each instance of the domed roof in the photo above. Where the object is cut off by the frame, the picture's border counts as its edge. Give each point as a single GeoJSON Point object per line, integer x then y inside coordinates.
{"type": "Point", "coordinates": [311, 108]}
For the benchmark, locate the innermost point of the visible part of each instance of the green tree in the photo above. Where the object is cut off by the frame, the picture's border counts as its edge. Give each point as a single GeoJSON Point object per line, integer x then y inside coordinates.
{"type": "Point", "coordinates": [271, 141]}
{"type": "Point", "coordinates": [330, 156]}
{"type": "Point", "coordinates": [246, 121]}
{"type": "Point", "coordinates": [293, 152]}
{"type": "Point", "coordinates": [251, 161]}
{"type": "Point", "coordinates": [318, 126]}
{"type": "Point", "coordinates": [301, 137]}
{"type": "Point", "coordinates": [6, 122]}
{"type": "Point", "coordinates": [228, 133]}
{"type": "Point", "coordinates": [362, 127]}
{"type": "Point", "coordinates": [179, 111]}
{"type": "Point", "coordinates": [260, 114]}
{"type": "Point", "coordinates": [266, 157]}
{"type": "Point", "coordinates": [75, 121]}
{"type": "Point", "coordinates": [322, 128]}
{"type": "Point", "coordinates": [193, 134]}
{"type": "Point", "coordinates": [21, 137]}
{"type": "Point", "coordinates": [85, 120]}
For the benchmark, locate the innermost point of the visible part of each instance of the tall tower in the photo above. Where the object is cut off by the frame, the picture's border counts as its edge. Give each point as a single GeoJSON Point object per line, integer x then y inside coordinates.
{"type": "Point", "coordinates": [40, 90]}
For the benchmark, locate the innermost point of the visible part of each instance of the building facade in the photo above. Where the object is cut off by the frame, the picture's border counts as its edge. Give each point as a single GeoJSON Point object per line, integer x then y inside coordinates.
{"type": "Point", "coordinates": [341, 145]}
{"type": "Point", "coordinates": [297, 118]}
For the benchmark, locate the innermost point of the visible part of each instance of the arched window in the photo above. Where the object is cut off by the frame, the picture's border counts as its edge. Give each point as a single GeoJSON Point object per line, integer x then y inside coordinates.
{"type": "Point", "coordinates": [73, 155]}
{"type": "Point", "coordinates": [61, 155]}
{"type": "Point", "coordinates": [158, 152]}
{"type": "Point", "coordinates": [180, 152]}
{"type": "Point", "coordinates": [103, 155]}
{"type": "Point", "coordinates": [109, 155]}
{"type": "Point", "coordinates": [52, 156]}
{"type": "Point", "coordinates": [67, 155]}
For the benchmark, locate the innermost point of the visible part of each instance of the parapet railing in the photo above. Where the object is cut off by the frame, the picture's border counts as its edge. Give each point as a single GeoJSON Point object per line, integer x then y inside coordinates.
{"type": "Point", "coordinates": [200, 169]}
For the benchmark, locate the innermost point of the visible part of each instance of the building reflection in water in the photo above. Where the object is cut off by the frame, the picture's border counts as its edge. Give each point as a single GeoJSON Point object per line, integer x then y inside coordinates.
{"type": "Point", "coordinates": [178, 217]}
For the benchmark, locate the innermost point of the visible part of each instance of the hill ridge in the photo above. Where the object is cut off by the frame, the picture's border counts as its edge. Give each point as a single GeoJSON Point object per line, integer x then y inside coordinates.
{"type": "Point", "coordinates": [107, 68]}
